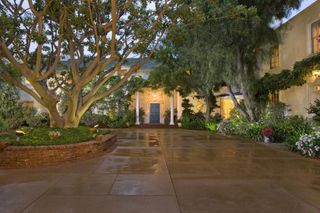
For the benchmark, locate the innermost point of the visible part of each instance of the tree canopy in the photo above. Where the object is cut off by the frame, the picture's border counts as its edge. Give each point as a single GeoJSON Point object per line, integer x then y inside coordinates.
{"type": "Point", "coordinates": [224, 41]}
{"type": "Point", "coordinates": [94, 37]}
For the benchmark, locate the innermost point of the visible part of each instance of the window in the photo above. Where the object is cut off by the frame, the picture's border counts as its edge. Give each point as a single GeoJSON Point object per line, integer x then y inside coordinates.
{"type": "Point", "coordinates": [275, 58]}
{"type": "Point", "coordinates": [315, 36]}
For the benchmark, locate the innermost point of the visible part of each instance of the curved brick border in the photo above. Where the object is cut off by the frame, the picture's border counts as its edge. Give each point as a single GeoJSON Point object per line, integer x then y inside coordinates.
{"type": "Point", "coordinates": [33, 156]}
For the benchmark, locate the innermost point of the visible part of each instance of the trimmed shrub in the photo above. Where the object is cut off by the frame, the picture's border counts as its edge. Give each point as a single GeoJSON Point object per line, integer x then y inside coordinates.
{"type": "Point", "coordinates": [196, 121]}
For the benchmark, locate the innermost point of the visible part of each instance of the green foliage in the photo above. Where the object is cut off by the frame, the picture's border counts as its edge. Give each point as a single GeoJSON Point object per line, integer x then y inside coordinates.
{"type": "Point", "coordinates": [187, 107]}
{"type": "Point", "coordinates": [194, 121]}
{"type": "Point", "coordinates": [3, 125]}
{"type": "Point", "coordinates": [9, 99]}
{"type": "Point", "coordinates": [314, 109]}
{"type": "Point", "coordinates": [285, 129]}
{"type": "Point", "coordinates": [217, 118]}
{"type": "Point", "coordinates": [39, 136]}
{"type": "Point", "coordinates": [220, 43]}
{"type": "Point", "coordinates": [119, 102]}
{"type": "Point", "coordinates": [275, 111]}
{"type": "Point", "coordinates": [212, 126]}
{"type": "Point", "coordinates": [14, 114]}
{"type": "Point", "coordinates": [288, 130]}
{"type": "Point", "coordinates": [74, 36]}
{"type": "Point", "coordinates": [239, 126]}
{"type": "Point", "coordinates": [190, 119]}
{"type": "Point", "coordinates": [270, 83]}
{"type": "Point", "coordinates": [226, 128]}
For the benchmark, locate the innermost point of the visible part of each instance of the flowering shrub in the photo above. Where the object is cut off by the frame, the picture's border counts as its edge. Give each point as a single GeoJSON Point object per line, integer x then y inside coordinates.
{"type": "Point", "coordinates": [309, 144]}
{"type": "Point", "coordinates": [226, 128]}
{"type": "Point", "coordinates": [267, 132]}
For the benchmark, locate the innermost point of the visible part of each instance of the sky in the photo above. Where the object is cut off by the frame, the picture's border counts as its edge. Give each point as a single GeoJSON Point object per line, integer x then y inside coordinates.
{"type": "Point", "coordinates": [305, 3]}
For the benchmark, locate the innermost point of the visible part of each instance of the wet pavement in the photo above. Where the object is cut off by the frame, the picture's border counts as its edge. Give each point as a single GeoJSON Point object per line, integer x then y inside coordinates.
{"type": "Point", "coordinates": [170, 171]}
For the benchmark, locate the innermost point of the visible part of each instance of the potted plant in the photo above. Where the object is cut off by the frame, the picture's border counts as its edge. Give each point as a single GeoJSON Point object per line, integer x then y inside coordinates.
{"type": "Point", "coordinates": [267, 134]}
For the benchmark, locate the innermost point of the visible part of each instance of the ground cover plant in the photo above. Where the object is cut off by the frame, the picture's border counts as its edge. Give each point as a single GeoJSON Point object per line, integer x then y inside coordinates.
{"type": "Point", "coordinates": [285, 129]}
{"type": "Point", "coordinates": [43, 136]}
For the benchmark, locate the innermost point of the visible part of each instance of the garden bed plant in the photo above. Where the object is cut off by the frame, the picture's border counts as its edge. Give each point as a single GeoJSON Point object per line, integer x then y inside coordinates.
{"type": "Point", "coordinates": [50, 136]}
{"type": "Point", "coordinates": [296, 132]}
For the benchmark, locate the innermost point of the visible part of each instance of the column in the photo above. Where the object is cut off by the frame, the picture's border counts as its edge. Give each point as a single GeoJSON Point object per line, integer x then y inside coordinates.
{"type": "Point", "coordinates": [137, 108]}
{"type": "Point", "coordinates": [179, 105]}
{"type": "Point", "coordinates": [172, 109]}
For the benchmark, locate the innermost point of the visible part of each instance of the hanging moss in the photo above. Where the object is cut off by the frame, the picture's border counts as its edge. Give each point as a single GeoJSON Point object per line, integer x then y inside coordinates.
{"type": "Point", "coordinates": [271, 83]}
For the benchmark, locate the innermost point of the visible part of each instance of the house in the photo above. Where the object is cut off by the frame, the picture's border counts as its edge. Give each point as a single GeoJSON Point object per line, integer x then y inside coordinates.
{"type": "Point", "coordinates": [301, 40]}
{"type": "Point", "coordinates": [155, 102]}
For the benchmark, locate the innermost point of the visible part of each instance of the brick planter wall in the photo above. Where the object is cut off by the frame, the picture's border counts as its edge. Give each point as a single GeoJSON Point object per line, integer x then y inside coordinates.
{"type": "Point", "coordinates": [33, 156]}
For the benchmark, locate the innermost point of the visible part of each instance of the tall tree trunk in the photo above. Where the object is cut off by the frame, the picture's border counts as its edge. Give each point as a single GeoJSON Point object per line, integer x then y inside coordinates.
{"type": "Point", "coordinates": [246, 80]}
{"type": "Point", "coordinates": [242, 111]}
{"type": "Point", "coordinates": [249, 101]}
{"type": "Point", "coordinates": [69, 120]}
{"type": "Point", "coordinates": [59, 122]}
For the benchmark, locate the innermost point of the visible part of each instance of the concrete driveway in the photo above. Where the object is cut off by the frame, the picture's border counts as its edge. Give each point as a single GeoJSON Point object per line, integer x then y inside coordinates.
{"type": "Point", "coordinates": [170, 171]}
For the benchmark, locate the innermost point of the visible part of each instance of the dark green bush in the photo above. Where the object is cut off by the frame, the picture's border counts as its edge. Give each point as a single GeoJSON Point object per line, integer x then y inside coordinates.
{"type": "Point", "coordinates": [196, 121]}
{"type": "Point", "coordinates": [3, 125]}
{"type": "Point", "coordinates": [289, 130]}
{"type": "Point", "coordinates": [314, 109]}
{"type": "Point", "coordinates": [217, 118]}
{"type": "Point", "coordinates": [285, 129]}
{"type": "Point", "coordinates": [187, 108]}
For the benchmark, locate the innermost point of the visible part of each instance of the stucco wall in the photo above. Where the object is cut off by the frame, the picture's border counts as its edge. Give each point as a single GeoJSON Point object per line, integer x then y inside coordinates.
{"type": "Point", "coordinates": [296, 45]}
{"type": "Point", "coordinates": [148, 96]}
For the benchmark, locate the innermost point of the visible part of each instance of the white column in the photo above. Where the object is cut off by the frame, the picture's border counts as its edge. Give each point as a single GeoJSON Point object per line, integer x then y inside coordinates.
{"type": "Point", "coordinates": [137, 108]}
{"type": "Point", "coordinates": [172, 109]}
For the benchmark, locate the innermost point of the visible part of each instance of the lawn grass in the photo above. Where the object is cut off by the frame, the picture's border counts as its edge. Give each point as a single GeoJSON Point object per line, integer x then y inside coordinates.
{"type": "Point", "coordinates": [39, 136]}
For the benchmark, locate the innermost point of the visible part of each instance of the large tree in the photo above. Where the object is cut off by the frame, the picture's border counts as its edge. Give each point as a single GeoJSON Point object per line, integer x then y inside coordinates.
{"type": "Point", "coordinates": [94, 37]}
{"type": "Point", "coordinates": [185, 59]}
{"type": "Point", "coordinates": [248, 40]}
{"type": "Point", "coordinates": [234, 37]}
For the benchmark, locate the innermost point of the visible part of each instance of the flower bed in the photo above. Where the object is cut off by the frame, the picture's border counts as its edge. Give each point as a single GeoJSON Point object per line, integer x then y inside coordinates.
{"type": "Point", "coordinates": [32, 156]}
{"type": "Point", "coordinates": [49, 136]}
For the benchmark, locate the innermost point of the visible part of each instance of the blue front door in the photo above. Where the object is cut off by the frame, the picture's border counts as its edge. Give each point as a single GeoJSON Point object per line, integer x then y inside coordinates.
{"type": "Point", "coordinates": [154, 113]}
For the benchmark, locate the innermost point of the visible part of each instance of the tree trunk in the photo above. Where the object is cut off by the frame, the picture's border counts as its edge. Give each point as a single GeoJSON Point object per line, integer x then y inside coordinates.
{"type": "Point", "coordinates": [247, 87]}
{"type": "Point", "coordinates": [56, 121]}
{"type": "Point", "coordinates": [246, 79]}
{"type": "Point", "coordinates": [242, 111]}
